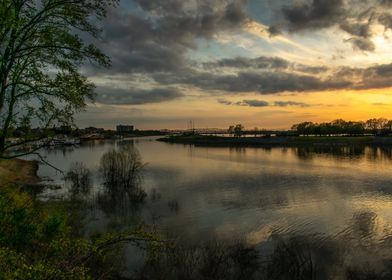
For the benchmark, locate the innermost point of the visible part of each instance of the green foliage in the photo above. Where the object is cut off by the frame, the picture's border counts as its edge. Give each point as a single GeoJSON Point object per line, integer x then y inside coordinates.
{"type": "Point", "coordinates": [36, 242]}
{"type": "Point", "coordinates": [16, 227]}
{"type": "Point", "coordinates": [373, 126]}
{"type": "Point", "coordinates": [336, 127]}
{"type": "Point", "coordinates": [41, 51]}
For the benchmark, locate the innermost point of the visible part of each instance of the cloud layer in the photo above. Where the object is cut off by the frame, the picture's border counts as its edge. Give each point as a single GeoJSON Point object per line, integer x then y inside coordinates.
{"type": "Point", "coordinates": [262, 103]}
{"type": "Point", "coordinates": [356, 18]}
{"type": "Point", "coordinates": [119, 96]}
{"type": "Point", "coordinates": [150, 41]}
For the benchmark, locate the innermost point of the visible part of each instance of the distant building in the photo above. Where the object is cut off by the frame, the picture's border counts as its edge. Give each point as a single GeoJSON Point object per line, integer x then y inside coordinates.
{"type": "Point", "coordinates": [124, 129]}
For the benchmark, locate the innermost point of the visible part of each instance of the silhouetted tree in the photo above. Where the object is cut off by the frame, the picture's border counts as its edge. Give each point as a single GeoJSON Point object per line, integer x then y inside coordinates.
{"type": "Point", "coordinates": [121, 170]}
{"type": "Point", "coordinates": [231, 130]}
{"type": "Point", "coordinates": [375, 126]}
{"type": "Point", "coordinates": [41, 51]}
{"type": "Point", "coordinates": [388, 127]}
{"type": "Point", "coordinates": [342, 127]}
{"type": "Point", "coordinates": [239, 130]}
{"type": "Point", "coordinates": [304, 128]}
{"type": "Point", "coordinates": [355, 128]}
{"type": "Point", "coordinates": [79, 177]}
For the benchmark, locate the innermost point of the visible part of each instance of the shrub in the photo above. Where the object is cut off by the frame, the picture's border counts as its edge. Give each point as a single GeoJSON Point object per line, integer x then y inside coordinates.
{"type": "Point", "coordinates": [79, 177]}
{"type": "Point", "coordinates": [121, 170]}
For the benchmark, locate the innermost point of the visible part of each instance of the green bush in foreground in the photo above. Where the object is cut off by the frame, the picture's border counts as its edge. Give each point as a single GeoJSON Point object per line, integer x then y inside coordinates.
{"type": "Point", "coordinates": [36, 242]}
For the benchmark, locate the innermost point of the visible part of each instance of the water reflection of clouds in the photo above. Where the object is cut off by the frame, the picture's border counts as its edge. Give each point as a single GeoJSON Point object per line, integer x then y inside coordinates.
{"type": "Point", "coordinates": [344, 192]}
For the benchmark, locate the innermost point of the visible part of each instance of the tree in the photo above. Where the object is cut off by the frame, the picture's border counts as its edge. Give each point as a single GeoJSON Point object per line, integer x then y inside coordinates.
{"type": "Point", "coordinates": [355, 128]}
{"type": "Point", "coordinates": [41, 52]}
{"type": "Point", "coordinates": [388, 127]}
{"type": "Point", "coordinates": [375, 126]}
{"type": "Point", "coordinates": [238, 130]}
{"type": "Point", "coordinates": [305, 128]}
{"type": "Point", "coordinates": [121, 170]}
{"type": "Point", "coordinates": [339, 126]}
{"type": "Point", "coordinates": [231, 130]}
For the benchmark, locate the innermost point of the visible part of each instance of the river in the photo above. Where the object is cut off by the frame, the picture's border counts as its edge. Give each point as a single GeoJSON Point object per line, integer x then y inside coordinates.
{"type": "Point", "coordinates": [255, 194]}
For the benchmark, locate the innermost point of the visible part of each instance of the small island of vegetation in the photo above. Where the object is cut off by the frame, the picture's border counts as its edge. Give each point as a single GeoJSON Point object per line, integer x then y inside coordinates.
{"type": "Point", "coordinates": [338, 132]}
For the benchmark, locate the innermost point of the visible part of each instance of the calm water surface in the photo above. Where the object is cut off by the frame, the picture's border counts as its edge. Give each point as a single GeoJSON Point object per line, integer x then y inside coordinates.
{"type": "Point", "coordinates": [249, 193]}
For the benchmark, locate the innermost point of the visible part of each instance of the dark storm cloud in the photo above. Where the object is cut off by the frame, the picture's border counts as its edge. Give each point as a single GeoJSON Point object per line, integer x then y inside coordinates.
{"type": "Point", "coordinates": [135, 46]}
{"type": "Point", "coordinates": [264, 63]}
{"type": "Point", "coordinates": [275, 81]}
{"type": "Point", "coordinates": [314, 14]}
{"type": "Point", "coordinates": [158, 36]}
{"type": "Point", "coordinates": [363, 44]}
{"type": "Point", "coordinates": [355, 17]}
{"type": "Point", "coordinates": [115, 96]}
{"type": "Point", "coordinates": [274, 30]}
{"type": "Point", "coordinates": [153, 40]}
{"type": "Point", "coordinates": [357, 29]}
{"type": "Point", "coordinates": [367, 78]}
{"type": "Point", "coordinates": [386, 20]}
{"type": "Point", "coordinates": [311, 69]}
{"type": "Point", "coordinates": [266, 82]}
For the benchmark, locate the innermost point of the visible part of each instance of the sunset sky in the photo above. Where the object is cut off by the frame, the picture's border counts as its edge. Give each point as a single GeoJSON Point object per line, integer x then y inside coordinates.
{"type": "Point", "coordinates": [262, 63]}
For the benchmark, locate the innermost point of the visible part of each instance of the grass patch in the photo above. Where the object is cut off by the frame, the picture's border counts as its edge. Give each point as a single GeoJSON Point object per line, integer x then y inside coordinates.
{"type": "Point", "coordinates": [17, 171]}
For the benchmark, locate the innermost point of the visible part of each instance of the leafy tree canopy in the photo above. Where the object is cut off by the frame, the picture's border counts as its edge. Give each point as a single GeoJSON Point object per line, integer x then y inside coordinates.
{"type": "Point", "coordinates": [41, 52]}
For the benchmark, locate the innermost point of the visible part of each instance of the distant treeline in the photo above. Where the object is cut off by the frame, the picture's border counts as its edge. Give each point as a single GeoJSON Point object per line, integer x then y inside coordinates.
{"type": "Point", "coordinates": [374, 126]}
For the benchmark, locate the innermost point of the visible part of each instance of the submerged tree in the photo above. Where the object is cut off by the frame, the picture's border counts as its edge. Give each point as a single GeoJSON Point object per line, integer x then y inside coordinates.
{"type": "Point", "coordinates": [121, 170]}
{"type": "Point", "coordinates": [80, 178]}
{"type": "Point", "coordinates": [41, 51]}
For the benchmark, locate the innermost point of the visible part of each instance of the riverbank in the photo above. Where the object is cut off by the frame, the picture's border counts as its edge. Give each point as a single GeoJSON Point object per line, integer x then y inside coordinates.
{"type": "Point", "coordinates": [278, 141]}
{"type": "Point", "coordinates": [18, 172]}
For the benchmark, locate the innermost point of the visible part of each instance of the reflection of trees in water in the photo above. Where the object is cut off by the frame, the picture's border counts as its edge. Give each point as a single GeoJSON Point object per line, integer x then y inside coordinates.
{"type": "Point", "coordinates": [364, 225]}
{"type": "Point", "coordinates": [121, 171]}
{"type": "Point", "coordinates": [355, 253]}
{"type": "Point", "coordinates": [303, 257]}
{"type": "Point", "coordinates": [190, 150]}
{"type": "Point", "coordinates": [308, 153]}
{"type": "Point", "coordinates": [353, 152]}
{"type": "Point", "coordinates": [238, 152]}
{"type": "Point", "coordinates": [79, 178]}
{"type": "Point", "coordinates": [122, 195]}
{"type": "Point", "coordinates": [339, 152]}
{"type": "Point", "coordinates": [120, 209]}
{"type": "Point", "coordinates": [379, 153]}
{"type": "Point", "coordinates": [174, 206]}
{"type": "Point", "coordinates": [63, 150]}
{"type": "Point", "coordinates": [210, 260]}
{"type": "Point", "coordinates": [97, 143]}
{"type": "Point", "coordinates": [126, 143]}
